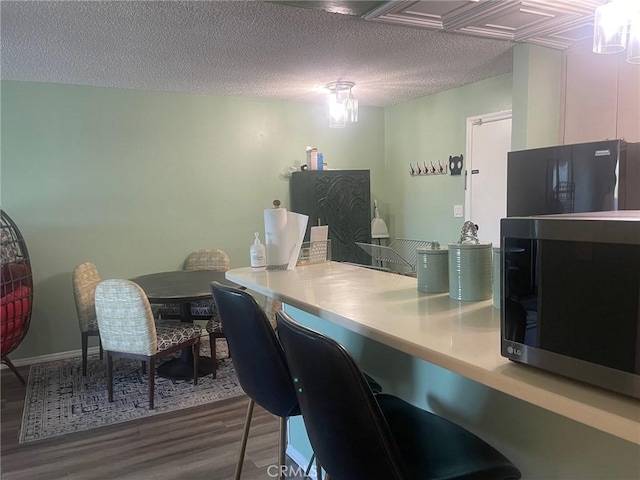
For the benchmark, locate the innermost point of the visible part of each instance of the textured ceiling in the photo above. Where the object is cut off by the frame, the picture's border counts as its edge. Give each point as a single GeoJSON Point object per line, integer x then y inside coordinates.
{"type": "Point", "coordinates": [252, 49]}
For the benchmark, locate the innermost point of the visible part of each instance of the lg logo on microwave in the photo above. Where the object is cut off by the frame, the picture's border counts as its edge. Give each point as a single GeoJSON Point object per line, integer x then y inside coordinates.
{"type": "Point", "coordinates": [514, 351]}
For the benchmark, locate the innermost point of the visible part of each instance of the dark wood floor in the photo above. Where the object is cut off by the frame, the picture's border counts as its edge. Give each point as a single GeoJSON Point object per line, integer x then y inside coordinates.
{"type": "Point", "coordinates": [196, 443]}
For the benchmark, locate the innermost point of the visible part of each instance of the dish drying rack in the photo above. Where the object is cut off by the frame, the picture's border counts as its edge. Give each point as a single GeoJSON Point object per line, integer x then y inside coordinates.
{"type": "Point", "coordinates": [402, 251]}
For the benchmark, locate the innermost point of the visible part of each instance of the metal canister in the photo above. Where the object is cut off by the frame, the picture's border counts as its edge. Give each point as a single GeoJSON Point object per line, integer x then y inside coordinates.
{"type": "Point", "coordinates": [433, 269]}
{"type": "Point", "coordinates": [496, 277]}
{"type": "Point", "coordinates": [470, 271]}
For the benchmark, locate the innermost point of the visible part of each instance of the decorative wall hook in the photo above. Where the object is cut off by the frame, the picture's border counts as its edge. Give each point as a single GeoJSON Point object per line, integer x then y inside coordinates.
{"type": "Point", "coordinates": [427, 170]}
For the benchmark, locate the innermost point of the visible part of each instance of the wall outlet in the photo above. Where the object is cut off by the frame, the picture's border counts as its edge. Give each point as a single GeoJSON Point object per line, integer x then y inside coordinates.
{"type": "Point", "coordinates": [458, 211]}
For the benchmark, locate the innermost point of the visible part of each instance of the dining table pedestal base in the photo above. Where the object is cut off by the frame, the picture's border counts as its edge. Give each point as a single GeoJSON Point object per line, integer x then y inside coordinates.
{"type": "Point", "coordinates": [178, 369]}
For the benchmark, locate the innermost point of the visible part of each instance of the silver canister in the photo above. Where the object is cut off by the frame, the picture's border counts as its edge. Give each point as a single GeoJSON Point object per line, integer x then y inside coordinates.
{"type": "Point", "coordinates": [433, 269]}
{"type": "Point", "coordinates": [470, 271]}
{"type": "Point", "coordinates": [496, 277]}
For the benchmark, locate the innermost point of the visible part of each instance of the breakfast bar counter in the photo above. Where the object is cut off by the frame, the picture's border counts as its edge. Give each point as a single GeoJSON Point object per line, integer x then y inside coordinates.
{"type": "Point", "coordinates": [443, 355]}
{"type": "Point", "coordinates": [462, 337]}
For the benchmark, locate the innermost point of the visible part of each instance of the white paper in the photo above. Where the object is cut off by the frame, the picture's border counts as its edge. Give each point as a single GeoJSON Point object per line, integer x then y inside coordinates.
{"type": "Point", "coordinates": [284, 233]}
{"type": "Point", "coordinates": [319, 234]}
{"type": "Point", "coordinates": [297, 228]}
{"type": "Point", "coordinates": [275, 230]}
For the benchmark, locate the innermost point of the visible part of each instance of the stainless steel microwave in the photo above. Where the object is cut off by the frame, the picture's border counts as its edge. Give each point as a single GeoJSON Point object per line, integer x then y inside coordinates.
{"type": "Point", "coordinates": [570, 300]}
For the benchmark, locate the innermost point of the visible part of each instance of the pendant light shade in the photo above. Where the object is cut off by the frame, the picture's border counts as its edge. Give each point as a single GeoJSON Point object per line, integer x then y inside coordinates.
{"type": "Point", "coordinates": [610, 29]}
{"type": "Point", "coordinates": [343, 108]}
{"type": "Point", "coordinates": [616, 27]}
{"type": "Point", "coordinates": [633, 45]}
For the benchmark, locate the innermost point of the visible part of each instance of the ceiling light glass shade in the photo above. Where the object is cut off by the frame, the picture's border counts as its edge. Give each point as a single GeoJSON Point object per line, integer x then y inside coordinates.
{"type": "Point", "coordinates": [633, 46]}
{"type": "Point", "coordinates": [343, 107]}
{"type": "Point", "coordinates": [610, 27]}
{"type": "Point", "coordinates": [337, 112]}
{"type": "Point", "coordinates": [352, 109]}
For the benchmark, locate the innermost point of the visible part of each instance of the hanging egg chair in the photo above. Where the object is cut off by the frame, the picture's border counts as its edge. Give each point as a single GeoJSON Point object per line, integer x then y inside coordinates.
{"type": "Point", "coordinates": [16, 290]}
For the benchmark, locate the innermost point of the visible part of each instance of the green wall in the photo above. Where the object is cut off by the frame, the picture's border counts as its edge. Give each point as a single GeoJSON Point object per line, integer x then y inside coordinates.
{"type": "Point", "coordinates": [429, 130]}
{"type": "Point", "coordinates": [537, 86]}
{"type": "Point", "coordinates": [133, 181]}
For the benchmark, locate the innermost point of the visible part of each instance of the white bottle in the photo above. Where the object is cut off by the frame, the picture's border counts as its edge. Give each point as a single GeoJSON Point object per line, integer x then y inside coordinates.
{"type": "Point", "coordinates": [258, 254]}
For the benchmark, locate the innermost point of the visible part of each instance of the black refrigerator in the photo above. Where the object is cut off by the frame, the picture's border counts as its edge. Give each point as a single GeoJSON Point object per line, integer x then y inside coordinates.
{"type": "Point", "coordinates": [584, 177]}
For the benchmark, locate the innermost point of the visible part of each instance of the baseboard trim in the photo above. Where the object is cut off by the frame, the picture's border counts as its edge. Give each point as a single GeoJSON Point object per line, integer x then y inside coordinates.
{"type": "Point", "coordinates": [300, 460]}
{"type": "Point", "coordinates": [20, 362]}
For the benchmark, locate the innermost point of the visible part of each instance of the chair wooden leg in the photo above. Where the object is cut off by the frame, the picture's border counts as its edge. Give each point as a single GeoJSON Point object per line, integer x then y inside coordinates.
{"type": "Point", "coordinates": [214, 359]}
{"type": "Point", "coordinates": [152, 380]}
{"type": "Point", "coordinates": [109, 375]}
{"type": "Point", "coordinates": [85, 346]}
{"type": "Point", "coordinates": [196, 362]}
{"type": "Point", "coordinates": [282, 445]}
{"type": "Point", "coordinates": [245, 436]}
{"type": "Point", "coordinates": [14, 369]}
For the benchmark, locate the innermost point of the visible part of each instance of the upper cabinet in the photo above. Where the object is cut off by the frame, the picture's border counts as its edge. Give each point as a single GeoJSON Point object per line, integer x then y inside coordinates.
{"type": "Point", "coordinates": [629, 102]}
{"type": "Point", "coordinates": [601, 97]}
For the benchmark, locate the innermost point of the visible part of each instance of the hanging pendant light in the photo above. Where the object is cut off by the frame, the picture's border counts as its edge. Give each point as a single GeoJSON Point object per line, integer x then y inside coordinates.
{"type": "Point", "coordinates": [610, 28]}
{"type": "Point", "coordinates": [633, 44]}
{"type": "Point", "coordinates": [616, 26]}
{"type": "Point", "coordinates": [343, 108]}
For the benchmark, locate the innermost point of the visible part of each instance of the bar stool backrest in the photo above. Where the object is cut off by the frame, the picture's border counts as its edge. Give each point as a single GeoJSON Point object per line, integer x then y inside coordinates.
{"type": "Point", "coordinates": [255, 350]}
{"type": "Point", "coordinates": [346, 427]}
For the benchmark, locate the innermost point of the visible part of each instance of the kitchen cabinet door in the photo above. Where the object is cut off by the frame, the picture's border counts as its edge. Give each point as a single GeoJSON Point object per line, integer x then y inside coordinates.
{"type": "Point", "coordinates": [340, 199]}
{"type": "Point", "coordinates": [591, 97]}
{"type": "Point", "coordinates": [629, 102]}
{"type": "Point", "coordinates": [601, 98]}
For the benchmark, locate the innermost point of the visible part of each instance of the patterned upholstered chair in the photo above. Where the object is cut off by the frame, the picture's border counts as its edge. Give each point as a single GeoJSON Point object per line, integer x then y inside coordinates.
{"type": "Point", "coordinates": [85, 279]}
{"type": "Point", "coordinates": [271, 306]}
{"type": "Point", "coordinates": [127, 329]}
{"type": "Point", "coordinates": [205, 259]}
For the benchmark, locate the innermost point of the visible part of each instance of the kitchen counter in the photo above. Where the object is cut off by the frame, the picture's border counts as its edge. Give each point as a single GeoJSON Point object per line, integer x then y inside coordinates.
{"type": "Point", "coordinates": [462, 337]}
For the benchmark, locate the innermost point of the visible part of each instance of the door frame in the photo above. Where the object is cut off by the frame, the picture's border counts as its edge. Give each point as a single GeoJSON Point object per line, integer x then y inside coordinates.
{"type": "Point", "coordinates": [471, 121]}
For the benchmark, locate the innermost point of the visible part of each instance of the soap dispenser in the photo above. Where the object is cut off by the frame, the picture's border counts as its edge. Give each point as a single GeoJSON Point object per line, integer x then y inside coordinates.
{"type": "Point", "coordinates": [258, 253]}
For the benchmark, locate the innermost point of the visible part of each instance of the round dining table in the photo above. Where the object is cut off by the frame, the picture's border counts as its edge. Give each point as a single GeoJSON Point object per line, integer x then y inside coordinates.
{"type": "Point", "coordinates": [182, 287]}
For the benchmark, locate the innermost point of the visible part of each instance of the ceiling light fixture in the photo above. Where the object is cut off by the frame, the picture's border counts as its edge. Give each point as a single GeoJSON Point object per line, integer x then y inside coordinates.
{"type": "Point", "coordinates": [616, 27]}
{"type": "Point", "coordinates": [343, 107]}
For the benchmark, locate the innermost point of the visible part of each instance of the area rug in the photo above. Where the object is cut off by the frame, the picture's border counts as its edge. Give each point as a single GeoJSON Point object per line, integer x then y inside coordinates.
{"type": "Point", "coordinates": [59, 400]}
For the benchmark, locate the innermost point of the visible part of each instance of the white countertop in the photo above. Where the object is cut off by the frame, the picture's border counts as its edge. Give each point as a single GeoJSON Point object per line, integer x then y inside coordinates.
{"type": "Point", "coordinates": [463, 337]}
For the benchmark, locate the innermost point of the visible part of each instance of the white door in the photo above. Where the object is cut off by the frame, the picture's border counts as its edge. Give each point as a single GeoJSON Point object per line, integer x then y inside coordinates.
{"type": "Point", "coordinates": [488, 142]}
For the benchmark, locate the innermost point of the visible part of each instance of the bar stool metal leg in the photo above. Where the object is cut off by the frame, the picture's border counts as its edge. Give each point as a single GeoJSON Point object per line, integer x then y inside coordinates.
{"type": "Point", "coordinates": [245, 436]}
{"type": "Point", "coordinates": [310, 464]}
{"type": "Point", "coordinates": [282, 445]}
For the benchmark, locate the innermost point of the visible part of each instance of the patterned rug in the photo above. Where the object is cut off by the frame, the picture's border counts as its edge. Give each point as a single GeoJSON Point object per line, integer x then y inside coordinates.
{"type": "Point", "coordinates": [59, 400]}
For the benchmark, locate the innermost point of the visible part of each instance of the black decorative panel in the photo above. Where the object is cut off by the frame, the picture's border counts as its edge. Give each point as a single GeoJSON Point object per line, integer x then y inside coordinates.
{"type": "Point", "coordinates": [340, 199]}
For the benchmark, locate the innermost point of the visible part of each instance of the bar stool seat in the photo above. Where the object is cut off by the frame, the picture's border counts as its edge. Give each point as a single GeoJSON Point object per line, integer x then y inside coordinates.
{"type": "Point", "coordinates": [356, 434]}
